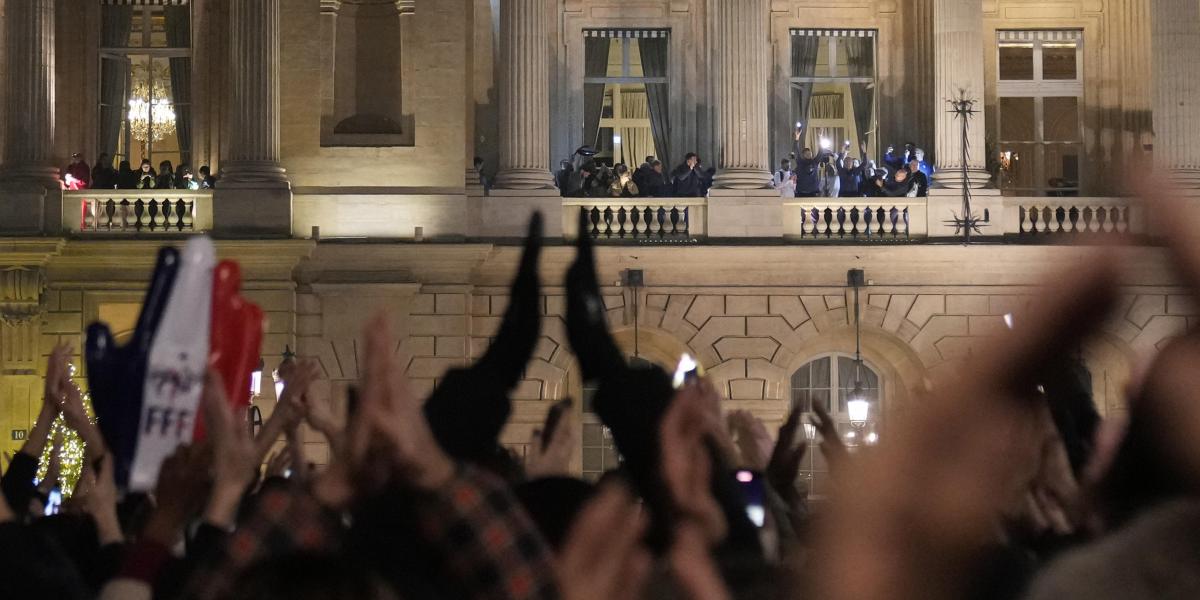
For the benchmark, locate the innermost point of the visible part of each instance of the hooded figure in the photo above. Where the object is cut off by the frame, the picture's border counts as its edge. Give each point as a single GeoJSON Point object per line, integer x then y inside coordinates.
{"type": "Point", "coordinates": [470, 406]}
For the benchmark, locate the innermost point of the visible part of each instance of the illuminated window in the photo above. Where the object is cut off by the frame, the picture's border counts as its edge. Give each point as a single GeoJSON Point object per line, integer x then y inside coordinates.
{"type": "Point", "coordinates": [146, 82]}
{"type": "Point", "coordinates": [833, 88]}
{"type": "Point", "coordinates": [1039, 120]}
{"type": "Point", "coordinates": [625, 95]}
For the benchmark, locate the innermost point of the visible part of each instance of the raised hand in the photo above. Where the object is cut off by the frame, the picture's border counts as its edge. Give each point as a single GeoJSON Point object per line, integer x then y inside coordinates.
{"type": "Point", "coordinates": [786, 458]}
{"type": "Point", "coordinates": [482, 389]}
{"type": "Point", "coordinates": [908, 519]}
{"type": "Point", "coordinates": [116, 373]}
{"type": "Point", "coordinates": [552, 458]}
{"type": "Point", "coordinates": [289, 410]}
{"type": "Point", "coordinates": [753, 441]}
{"type": "Point", "coordinates": [234, 464]}
{"type": "Point", "coordinates": [179, 493]}
{"type": "Point", "coordinates": [392, 415]}
{"type": "Point", "coordinates": [100, 500]}
{"type": "Point", "coordinates": [831, 445]}
{"type": "Point", "coordinates": [602, 558]}
{"type": "Point", "coordinates": [687, 464]}
{"type": "Point", "coordinates": [587, 321]}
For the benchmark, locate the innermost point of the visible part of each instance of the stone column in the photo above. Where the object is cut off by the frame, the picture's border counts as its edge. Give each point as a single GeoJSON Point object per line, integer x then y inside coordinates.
{"type": "Point", "coordinates": [254, 42]}
{"type": "Point", "coordinates": [742, 94]}
{"type": "Point", "coordinates": [29, 94]}
{"type": "Point", "coordinates": [958, 71]}
{"type": "Point", "coordinates": [1176, 50]}
{"type": "Point", "coordinates": [253, 195]}
{"type": "Point", "coordinates": [524, 97]}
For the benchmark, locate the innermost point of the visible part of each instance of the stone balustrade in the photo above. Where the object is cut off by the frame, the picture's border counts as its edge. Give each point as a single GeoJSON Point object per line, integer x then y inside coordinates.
{"type": "Point", "coordinates": [855, 219]}
{"type": "Point", "coordinates": [1031, 217]}
{"type": "Point", "coordinates": [633, 220]}
{"type": "Point", "coordinates": [637, 219]}
{"type": "Point", "coordinates": [137, 211]}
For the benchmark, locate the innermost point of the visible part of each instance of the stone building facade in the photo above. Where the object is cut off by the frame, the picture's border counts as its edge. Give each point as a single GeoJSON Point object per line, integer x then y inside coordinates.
{"type": "Point", "coordinates": [344, 133]}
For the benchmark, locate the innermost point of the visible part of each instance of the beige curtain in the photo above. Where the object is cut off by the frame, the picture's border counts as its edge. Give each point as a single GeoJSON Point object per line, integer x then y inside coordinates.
{"type": "Point", "coordinates": [636, 142]}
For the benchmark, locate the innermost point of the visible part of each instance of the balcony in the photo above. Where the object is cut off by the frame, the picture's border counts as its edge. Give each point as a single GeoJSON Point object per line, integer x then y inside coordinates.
{"type": "Point", "coordinates": [137, 212]}
{"type": "Point", "coordinates": [452, 217]}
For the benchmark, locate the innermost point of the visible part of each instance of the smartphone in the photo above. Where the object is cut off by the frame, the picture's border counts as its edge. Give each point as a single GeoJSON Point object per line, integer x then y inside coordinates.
{"type": "Point", "coordinates": [553, 417]}
{"type": "Point", "coordinates": [687, 370]}
{"type": "Point", "coordinates": [53, 502]}
{"type": "Point", "coordinates": [755, 495]}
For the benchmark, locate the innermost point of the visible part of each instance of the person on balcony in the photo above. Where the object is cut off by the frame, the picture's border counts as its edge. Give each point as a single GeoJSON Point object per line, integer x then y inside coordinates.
{"type": "Point", "coordinates": [147, 179]}
{"type": "Point", "coordinates": [78, 175]}
{"type": "Point", "coordinates": [831, 183]}
{"type": "Point", "coordinates": [919, 178]}
{"type": "Point", "coordinates": [166, 176]}
{"type": "Point", "coordinates": [643, 174]}
{"type": "Point", "coordinates": [623, 185]}
{"type": "Point", "coordinates": [687, 180]}
{"type": "Point", "coordinates": [104, 177]}
{"type": "Point", "coordinates": [901, 185]}
{"type": "Point", "coordinates": [127, 178]}
{"type": "Point", "coordinates": [926, 168]}
{"type": "Point", "coordinates": [808, 169]}
{"type": "Point", "coordinates": [850, 171]}
{"type": "Point", "coordinates": [656, 184]}
{"type": "Point", "coordinates": [562, 178]}
{"type": "Point", "coordinates": [207, 181]}
{"type": "Point", "coordinates": [784, 180]}
{"type": "Point", "coordinates": [184, 179]}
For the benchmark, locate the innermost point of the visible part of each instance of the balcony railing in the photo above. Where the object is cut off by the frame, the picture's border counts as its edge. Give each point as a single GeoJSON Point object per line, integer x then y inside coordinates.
{"type": "Point", "coordinates": [137, 211]}
{"type": "Point", "coordinates": [862, 219]}
{"type": "Point", "coordinates": [1032, 217]}
{"type": "Point", "coordinates": [637, 219]}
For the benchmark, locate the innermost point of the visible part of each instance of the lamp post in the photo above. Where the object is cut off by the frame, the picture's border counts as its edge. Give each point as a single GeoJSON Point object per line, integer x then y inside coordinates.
{"type": "Point", "coordinates": [256, 380]}
{"type": "Point", "coordinates": [857, 404]}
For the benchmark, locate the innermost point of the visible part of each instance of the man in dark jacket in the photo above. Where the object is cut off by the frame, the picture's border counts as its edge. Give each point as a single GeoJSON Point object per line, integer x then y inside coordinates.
{"type": "Point", "coordinates": [642, 176]}
{"type": "Point", "coordinates": [850, 172]}
{"type": "Point", "coordinates": [686, 179]}
{"type": "Point", "coordinates": [656, 184]}
{"type": "Point", "coordinates": [918, 177]}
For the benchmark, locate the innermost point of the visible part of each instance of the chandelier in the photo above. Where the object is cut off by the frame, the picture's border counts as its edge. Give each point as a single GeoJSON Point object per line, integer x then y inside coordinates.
{"type": "Point", "coordinates": [151, 114]}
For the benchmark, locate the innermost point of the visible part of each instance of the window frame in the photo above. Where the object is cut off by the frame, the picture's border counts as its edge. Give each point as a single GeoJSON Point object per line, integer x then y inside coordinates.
{"type": "Point", "coordinates": [626, 37]}
{"type": "Point", "coordinates": [1039, 89]}
{"type": "Point", "coordinates": [125, 54]}
{"type": "Point", "coordinates": [832, 36]}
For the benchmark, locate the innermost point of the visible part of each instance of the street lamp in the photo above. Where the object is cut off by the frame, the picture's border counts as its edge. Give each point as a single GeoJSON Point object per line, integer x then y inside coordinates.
{"type": "Point", "coordinates": [857, 404]}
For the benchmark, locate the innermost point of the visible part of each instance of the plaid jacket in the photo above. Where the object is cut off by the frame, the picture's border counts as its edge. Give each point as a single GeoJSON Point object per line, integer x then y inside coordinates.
{"type": "Point", "coordinates": [490, 544]}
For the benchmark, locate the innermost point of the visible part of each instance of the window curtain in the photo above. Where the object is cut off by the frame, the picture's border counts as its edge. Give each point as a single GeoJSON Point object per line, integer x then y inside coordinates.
{"type": "Point", "coordinates": [179, 35]}
{"type": "Point", "coordinates": [637, 142]}
{"type": "Point", "coordinates": [595, 59]}
{"type": "Point", "coordinates": [804, 64]}
{"type": "Point", "coordinates": [116, 22]}
{"type": "Point", "coordinates": [861, 58]}
{"type": "Point", "coordinates": [654, 64]}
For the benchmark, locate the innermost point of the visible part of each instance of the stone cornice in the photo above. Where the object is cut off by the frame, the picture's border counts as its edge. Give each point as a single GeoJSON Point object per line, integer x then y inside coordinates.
{"type": "Point", "coordinates": [132, 260]}
{"type": "Point", "coordinates": [29, 251]}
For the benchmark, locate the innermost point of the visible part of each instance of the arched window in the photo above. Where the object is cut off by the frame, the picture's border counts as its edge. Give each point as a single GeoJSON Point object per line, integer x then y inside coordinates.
{"type": "Point", "coordinates": [828, 381]}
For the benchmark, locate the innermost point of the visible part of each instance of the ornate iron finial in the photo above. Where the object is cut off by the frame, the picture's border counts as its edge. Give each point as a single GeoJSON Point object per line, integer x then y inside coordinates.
{"type": "Point", "coordinates": [963, 108]}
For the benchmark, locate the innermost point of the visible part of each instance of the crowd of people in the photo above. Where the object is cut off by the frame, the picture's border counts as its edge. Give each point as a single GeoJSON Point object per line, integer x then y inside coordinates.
{"type": "Point", "coordinates": [804, 174]}
{"type": "Point", "coordinates": [1000, 481]}
{"type": "Point", "coordinates": [650, 180]}
{"type": "Point", "coordinates": [79, 176]}
{"type": "Point", "coordinates": [829, 174]}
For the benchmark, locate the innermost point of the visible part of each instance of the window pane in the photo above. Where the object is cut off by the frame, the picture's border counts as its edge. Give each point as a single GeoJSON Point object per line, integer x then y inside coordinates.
{"type": "Point", "coordinates": [821, 373]}
{"type": "Point", "coordinates": [1059, 62]}
{"type": "Point", "coordinates": [1016, 62]}
{"type": "Point", "coordinates": [1061, 117]}
{"type": "Point", "coordinates": [1062, 169]}
{"type": "Point", "coordinates": [1017, 166]}
{"type": "Point", "coordinates": [616, 61]}
{"type": "Point", "coordinates": [1017, 120]}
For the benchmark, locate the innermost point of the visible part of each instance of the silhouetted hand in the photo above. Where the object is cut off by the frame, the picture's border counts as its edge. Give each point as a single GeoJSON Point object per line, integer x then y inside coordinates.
{"type": "Point", "coordinates": [786, 458]}
{"type": "Point", "coordinates": [831, 444]}
{"type": "Point", "coordinates": [552, 459]}
{"type": "Point", "coordinates": [686, 464]}
{"type": "Point", "coordinates": [753, 441]}
{"type": "Point", "coordinates": [182, 487]}
{"type": "Point", "coordinates": [234, 464]}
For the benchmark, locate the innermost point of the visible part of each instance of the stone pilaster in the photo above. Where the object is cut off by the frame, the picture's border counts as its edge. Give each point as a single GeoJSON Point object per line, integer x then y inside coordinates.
{"type": "Point", "coordinates": [1176, 51]}
{"type": "Point", "coordinates": [21, 291]}
{"type": "Point", "coordinates": [742, 57]}
{"type": "Point", "coordinates": [524, 97]}
{"type": "Point", "coordinates": [29, 94]}
{"type": "Point", "coordinates": [958, 71]}
{"type": "Point", "coordinates": [254, 195]}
